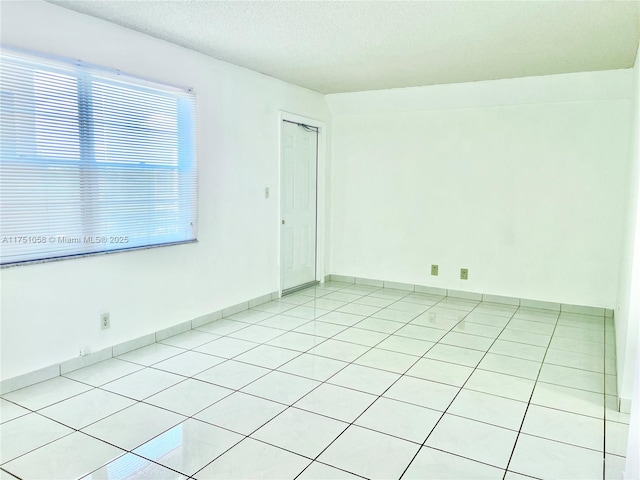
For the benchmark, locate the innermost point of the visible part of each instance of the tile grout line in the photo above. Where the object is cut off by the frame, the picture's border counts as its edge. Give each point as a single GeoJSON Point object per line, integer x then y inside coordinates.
{"type": "Point", "coordinates": [349, 424]}
{"type": "Point", "coordinates": [297, 400]}
{"type": "Point", "coordinates": [353, 363]}
{"type": "Point", "coordinates": [456, 395]}
{"type": "Point", "coordinates": [326, 381]}
{"type": "Point", "coordinates": [239, 389]}
{"type": "Point", "coordinates": [393, 383]}
{"type": "Point", "coordinates": [530, 398]}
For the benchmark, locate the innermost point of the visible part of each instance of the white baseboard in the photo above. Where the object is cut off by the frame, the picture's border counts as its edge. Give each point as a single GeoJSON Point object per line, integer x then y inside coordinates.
{"type": "Point", "coordinates": [52, 371]}
{"type": "Point", "coordinates": [624, 405]}
{"type": "Point", "coordinates": [521, 302]}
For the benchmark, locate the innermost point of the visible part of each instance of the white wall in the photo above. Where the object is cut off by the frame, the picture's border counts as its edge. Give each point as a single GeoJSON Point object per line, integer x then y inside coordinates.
{"type": "Point", "coordinates": [627, 314]}
{"type": "Point", "coordinates": [520, 181]}
{"type": "Point", "coordinates": [50, 310]}
{"type": "Point", "coordinates": [628, 306]}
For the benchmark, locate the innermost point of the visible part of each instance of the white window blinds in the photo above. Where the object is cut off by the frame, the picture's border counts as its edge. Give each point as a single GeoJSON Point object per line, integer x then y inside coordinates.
{"type": "Point", "coordinates": [91, 161]}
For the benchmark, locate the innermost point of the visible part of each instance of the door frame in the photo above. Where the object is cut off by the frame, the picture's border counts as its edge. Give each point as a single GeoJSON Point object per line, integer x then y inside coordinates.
{"type": "Point", "coordinates": [321, 156]}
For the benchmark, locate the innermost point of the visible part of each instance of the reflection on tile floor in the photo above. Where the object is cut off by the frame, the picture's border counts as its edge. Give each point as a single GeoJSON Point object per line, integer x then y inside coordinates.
{"type": "Point", "coordinates": [337, 381]}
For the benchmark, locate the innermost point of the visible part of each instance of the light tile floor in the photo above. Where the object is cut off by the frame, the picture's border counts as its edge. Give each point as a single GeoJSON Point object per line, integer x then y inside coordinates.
{"type": "Point", "coordinates": [337, 381]}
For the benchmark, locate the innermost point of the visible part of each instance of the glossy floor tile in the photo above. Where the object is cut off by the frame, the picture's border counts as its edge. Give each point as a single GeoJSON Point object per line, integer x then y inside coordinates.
{"type": "Point", "coordinates": [542, 458]}
{"type": "Point", "coordinates": [365, 379]}
{"type": "Point", "coordinates": [301, 432]}
{"type": "Point", "coordinates": [320, 471]}
{"type": "Point", "coordinates": [189, 339]}
{"type": "Point", "coordinates": [188, 397]}
{"type": "Point", "coordinates": [104, 372]}
{"type": "Point", "coordinates": [9, 411]}
{"type": "Point", "coordinates": [241, 413]}
{"type": "Point", "coordinates": [256, 460]}
{"type": "Point", "coordinates": [491, 409]}
{"type": "Point", "coordinates": [566, 427]}
{"type": "Point", "coordinates": [442, 372]}
{"type": "Point", "coordinates": [281, 387]}
{"type": "Point", "coordinates": [194, 444]}
{"type": "Point", "coordinates": [336, 402]}
{"type": "Point", "coordinates": [132, 466]}
{"type": "Point", "coordinates": [395, 362]}
{"type": "Point", "coordinates": [88, 407]}
{"type": "Point", "coordinates": [46, 393]}
{"type": "Point", "coordinates": [133, 426]}
{"type": "Point", "coordinates": [151, 354]}
{"type": "Point", "coordinates": [481, 441]}
{"type": "Point", "coordinates": [232, 374]}
{"type": "Point", "coordinates": [431, 464]}
{"type": "Point", "coordinates": [53, 461]}
{"type": "Point", "coordinates": [400, 419]}
{"type": "Point", "coordinates": [313, 366]}
{"type": "Point", "coordinates": [423, 393]}
{"type": "Point", "coordinates": [338, 381]}
{"type": "Point", "coordinates": [188, 364]}
{"type": "Point", "coordinates": [369, 454]}
{"type": "Point", "coordinates": [143, 383]}
{"type": "Point", "coordinates": [27, 433]}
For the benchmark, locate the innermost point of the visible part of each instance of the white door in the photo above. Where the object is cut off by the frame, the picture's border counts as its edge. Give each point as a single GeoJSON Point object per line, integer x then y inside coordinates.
{"type": "Point", "coordinates": [298, 204]}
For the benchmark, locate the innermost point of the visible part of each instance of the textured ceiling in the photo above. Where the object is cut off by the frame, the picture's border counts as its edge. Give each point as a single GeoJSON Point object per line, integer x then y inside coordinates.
{"type": "Point", "coordinates": [341, 46]}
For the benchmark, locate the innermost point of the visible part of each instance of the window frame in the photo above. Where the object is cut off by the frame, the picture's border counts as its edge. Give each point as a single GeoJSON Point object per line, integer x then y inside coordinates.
{"type": "Point", "coordinates": [186, 133]}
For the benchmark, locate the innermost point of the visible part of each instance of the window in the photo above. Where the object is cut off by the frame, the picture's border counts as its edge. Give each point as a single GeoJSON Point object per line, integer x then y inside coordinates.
{"type": "Point", "coordinates": [92, 161]}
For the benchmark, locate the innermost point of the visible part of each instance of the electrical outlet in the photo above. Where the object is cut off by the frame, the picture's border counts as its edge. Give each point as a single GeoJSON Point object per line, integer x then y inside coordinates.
{"type": "Point", "coordinates": [464, 273]}
{"type": "Point", "coordinates": [434, 269]}
{"type": "Point", "coordinates": [105, 321]}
